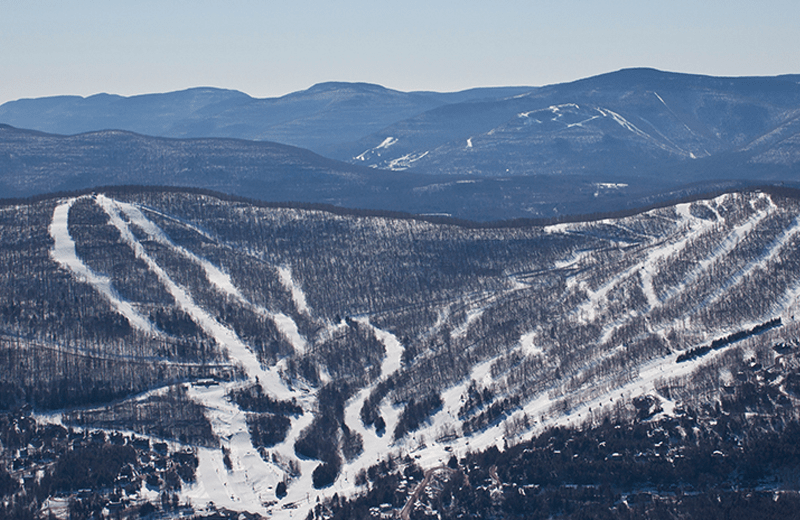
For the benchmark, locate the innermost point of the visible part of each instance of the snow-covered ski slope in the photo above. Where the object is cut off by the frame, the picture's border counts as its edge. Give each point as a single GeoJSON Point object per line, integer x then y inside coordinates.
{"type": "Point", "coordinates": [550, 325]}
{"type": "Point", "coordinates": [244, 486]}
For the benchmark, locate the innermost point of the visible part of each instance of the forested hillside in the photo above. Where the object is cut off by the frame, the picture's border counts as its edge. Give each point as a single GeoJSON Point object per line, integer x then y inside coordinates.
{"type": "Point", "coordinates": [295, 359]}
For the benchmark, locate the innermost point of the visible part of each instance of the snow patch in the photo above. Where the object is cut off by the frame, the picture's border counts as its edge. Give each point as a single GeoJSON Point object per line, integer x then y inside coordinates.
{"type": "Point", "coordinates": [298, 296]}
{"type": "Point", "coordinates": [405, 162]}
{"type": "Point", "coordinates": [527, 345]}
{"type": "Point", "coordinates": [385, 144]}
{"type": "Point", "coordinates": [580, 123]}
{"type": "Point", "coordinates": [389, 141]}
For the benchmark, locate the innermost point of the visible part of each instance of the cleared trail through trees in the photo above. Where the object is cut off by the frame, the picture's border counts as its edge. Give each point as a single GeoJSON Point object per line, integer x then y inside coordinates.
{"type": "Point", "coordinates": [218, 278]}
{"type": "Point", "coordinates": [250, 474]}
{"type": "Point", "coordinates": [236, 476]}
{"type": "Point", "coordinates": [65, 255]}
{"type": "Point", "coordinates": [375, 447]}
{"type": "Point", "coordinates": [226, 338]}
{"type": "Point", "coordinates": [696, 241]}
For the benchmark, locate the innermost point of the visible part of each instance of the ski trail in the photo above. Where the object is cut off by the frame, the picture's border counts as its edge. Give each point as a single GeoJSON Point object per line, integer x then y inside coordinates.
{"type": "Point", "coordinates": [65, 255]}
{"type": "Point", "coordinates": [394, 349]}
{"type": "Point", "coordinates": [221, 280]}
{"type": "Point", "coordinates": [632, 128]}
{"type": "Point", "coordinates": [375, 447]}
{"type": "Point", "coordinates": [650, 264]}
{"type": "Point", "coordinates": [297, 489]}
{"type": "Point", "coordinates": [759, 262]}
{"type": "Point", "coordinates": [437, 441]}
{"type": "Point", "coordinates": [722, 250]}
{"type": "Point", "coordinates": [189, 225]}
{"type": "Point", "coordinates": [587, 311]}
{"type": "Point", "coordinates": [218, 278]}
{"type": "Point", "coordinates": [225, 337]}
{"type": "Point", "coordinates": [692, 132]}
{"type": "Point", "coordinates": [301, 495]}
{"type": "Point", "coordinates": [539, 412]}
{"type": "Point", "coordinates": [298, 296]}
{"type": "Point", "coordinates": [647, 267]}
{"type": "Point", "coordinates": [246, 484]}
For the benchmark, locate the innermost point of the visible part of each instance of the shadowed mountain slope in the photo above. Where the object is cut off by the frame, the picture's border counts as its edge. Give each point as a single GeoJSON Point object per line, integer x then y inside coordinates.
{"type": "Point", "coordinates": [318, 118]}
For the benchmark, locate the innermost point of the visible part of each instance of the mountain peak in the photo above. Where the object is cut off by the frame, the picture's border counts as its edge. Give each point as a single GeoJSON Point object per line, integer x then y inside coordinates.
{"type": "Point", "coordinates": [330, 86]}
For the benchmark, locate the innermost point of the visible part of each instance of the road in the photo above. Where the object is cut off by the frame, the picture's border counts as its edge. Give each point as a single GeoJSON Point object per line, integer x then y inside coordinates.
{"type": "Point", "coordinates": [406, 511]}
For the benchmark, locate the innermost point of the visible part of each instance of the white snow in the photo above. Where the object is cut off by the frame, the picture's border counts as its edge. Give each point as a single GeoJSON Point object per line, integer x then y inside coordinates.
{"type": "Point", "coordinates": [527, 345]}
{"type": "Point", "coordinates": [394, 350]}
{"type": "Point", "coordinates": [375, 445]}
{"type": "Point", "coordinates": [758, 262]}
{"type": "Point", "coordinates": [624, 123]}
{"type": "Point", "coordinates": [723, 249]}
{"type": "Point", "coordinates": [405, 162]}
{"type": "Point", "coordinates": [650, 266]}
{"type": "Point", "coordinates": [246, 485]}
{"type": "Point", "coordinates": [539, 409]}
{"type": "Point", "coordinates": [472, 315]}
{"type": "Point", "coordinates": [389, 141]}
{"type": "Point", "coordinates": [301, 494]}
{"type": "Point", "coordinates": [679, 119]}
{"type": "Point", "coordinates": [218, 278]}
{"type": "Point", "coordinates": [580, 123]}
{"type": "Point", "coordinates": [251, 482]}
{"type": "Point", "coordinates": [225, 337]}
{"type": "Point", "coordinates": [221, 280]}
{"type": "Point", "coordinates": [385, 144]}
{"type": "Point", "coordinates": [611, 185]}
{"type": "Point", "coordinates": [298, 296]}
{"type": "Point", "coordinates": [64, 254]}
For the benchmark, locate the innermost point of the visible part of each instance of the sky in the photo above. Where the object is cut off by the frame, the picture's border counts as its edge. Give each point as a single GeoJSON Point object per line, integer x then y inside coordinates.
{"type": "Point", "coordinates": [270, 48]}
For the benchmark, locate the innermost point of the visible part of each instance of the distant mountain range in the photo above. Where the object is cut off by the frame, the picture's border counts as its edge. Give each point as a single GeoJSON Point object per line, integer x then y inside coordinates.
{"type": "Point", "coordinates": [34, 163]}
{"type": "Point", "coordinates": [322, 118]}
{"type": "Point", "coordinates": [607, 143]}
{"type": "Point", "coordinates": [631, 120]}
{"type": "Point", "coordinates": [190, 329]}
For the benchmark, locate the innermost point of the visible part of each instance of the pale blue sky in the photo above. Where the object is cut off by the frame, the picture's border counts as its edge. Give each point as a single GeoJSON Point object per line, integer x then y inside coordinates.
{"type": "Point", "coordinates": [270, 48]}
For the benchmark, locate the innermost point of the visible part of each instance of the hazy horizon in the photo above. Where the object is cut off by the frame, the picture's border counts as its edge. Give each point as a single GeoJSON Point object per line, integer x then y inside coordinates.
{"type": "Point", "coordinates": [268, 50]}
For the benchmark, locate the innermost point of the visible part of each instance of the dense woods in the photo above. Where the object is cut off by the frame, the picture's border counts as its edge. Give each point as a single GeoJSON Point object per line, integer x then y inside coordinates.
{"type": "Point", "coordinates": [410, 333]}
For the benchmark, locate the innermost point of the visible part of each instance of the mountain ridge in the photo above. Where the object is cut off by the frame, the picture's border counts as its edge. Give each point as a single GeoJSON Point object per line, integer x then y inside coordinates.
{"type": "Point", "coordinates": [214, 112]}
{"type": "Point", "coordinates": [33, 163]}
{"type": "Point", "coordinates": [642, 131]}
